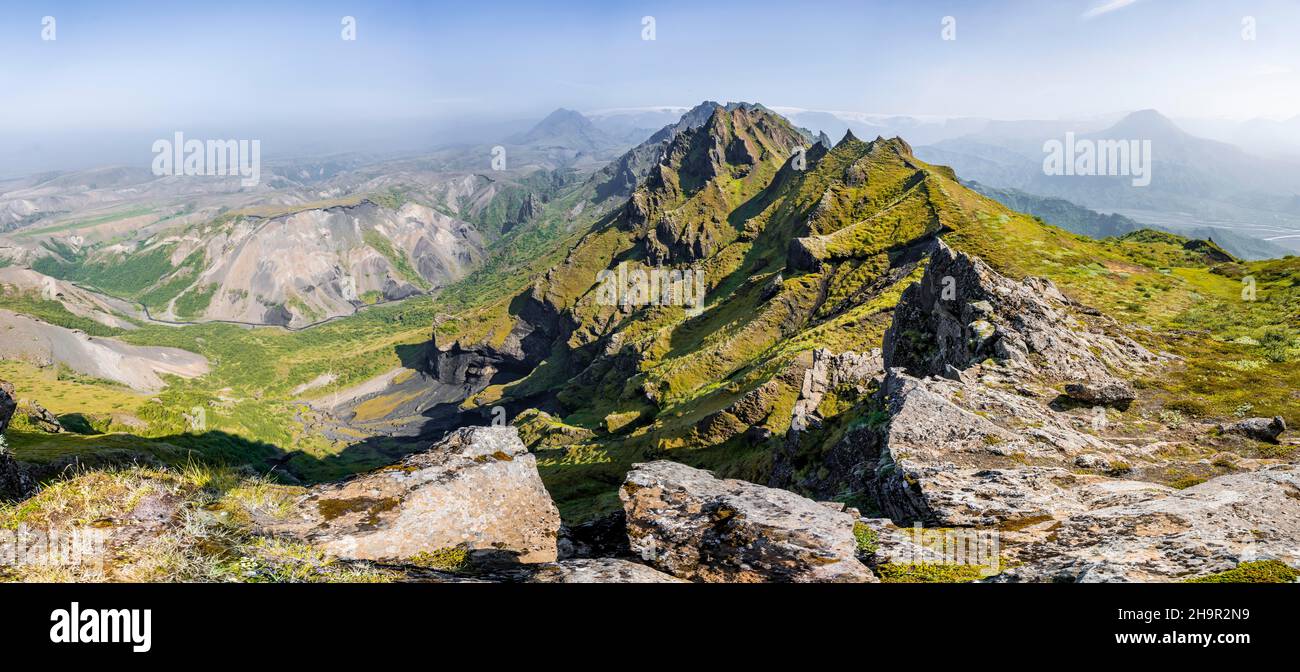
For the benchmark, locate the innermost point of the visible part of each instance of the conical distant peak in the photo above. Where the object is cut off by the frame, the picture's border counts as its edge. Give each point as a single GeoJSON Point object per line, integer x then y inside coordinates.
{"type": "Point", "coordinates": [1145, 123]}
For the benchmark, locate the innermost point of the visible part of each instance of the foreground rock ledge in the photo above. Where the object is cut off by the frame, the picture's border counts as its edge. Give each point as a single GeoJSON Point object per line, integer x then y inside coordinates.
{"type": "Point", "coordinates": [1172, 535]}
{"type": "Point", "coordinates": [687, 523]}
{"type": "Point", "coordinates": [478, 488]}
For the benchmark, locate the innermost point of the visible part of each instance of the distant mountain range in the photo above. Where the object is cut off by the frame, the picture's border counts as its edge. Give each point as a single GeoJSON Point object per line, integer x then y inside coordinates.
{"type": "Point", "coordinates": [1197, 184]}
{"type": "Point", "coordinates": [1083, 221]}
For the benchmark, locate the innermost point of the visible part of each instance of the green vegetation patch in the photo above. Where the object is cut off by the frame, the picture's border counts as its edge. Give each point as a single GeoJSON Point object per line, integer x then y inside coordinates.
{"type": "Point", "coordinates": [924, 572]}
{"type": "Point", "coordinates": [1260, 571]}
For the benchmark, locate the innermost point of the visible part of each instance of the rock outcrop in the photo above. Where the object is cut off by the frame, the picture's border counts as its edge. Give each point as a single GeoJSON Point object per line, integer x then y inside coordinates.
{"type": "Point", "coordinates": [1260, 429]}
{"type": "Point", "coordinates": [963, 312]}
{"type": "Point", "coordinates": [829, 371]}
{"type": "Point", "coordinates": [1109, 393]}
{"type": "Point", "coordinates": [477, 489]}
{"type": "Point", "coordinates": [41, 417]}
{"type": "Point", "coordinates": [943, 460]}
{"type": "Point", "coordinates": [15, 482]}
{"type": "Point", "coordinates": [688, 523]}
{"type": "Point", "coordinates": [8, 404]}
{"type": "Point", "coordinates": [1170, 535]}
{"type": "Point", "coordinates": [969, 440]}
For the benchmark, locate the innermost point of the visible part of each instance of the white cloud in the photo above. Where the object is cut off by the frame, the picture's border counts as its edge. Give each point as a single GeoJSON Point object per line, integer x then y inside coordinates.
{"type": "Point", "coordinates": [1107, 7]}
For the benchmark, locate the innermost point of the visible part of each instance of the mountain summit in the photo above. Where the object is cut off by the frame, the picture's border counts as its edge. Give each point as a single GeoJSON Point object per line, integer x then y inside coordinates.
{"type": "Point", "coordinates": [857, 302]}
{"type": "Point", "coordinates": [566, 128]}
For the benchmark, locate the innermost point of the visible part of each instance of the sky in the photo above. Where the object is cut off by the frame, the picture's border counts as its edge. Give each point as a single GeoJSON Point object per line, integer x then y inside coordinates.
{"type": "Point", "coordinates": [118, 71]}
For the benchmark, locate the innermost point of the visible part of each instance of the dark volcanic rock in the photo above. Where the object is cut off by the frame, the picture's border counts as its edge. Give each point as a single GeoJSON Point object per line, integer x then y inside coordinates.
{"type": "Point", "coordinates": [1260, 429]}
{"type": "Point", "coordinates": [602, 537]}
{"type": "Point", "coordinates": [8, 404]}
{"type": "Point", "coordinates": [15, 482]}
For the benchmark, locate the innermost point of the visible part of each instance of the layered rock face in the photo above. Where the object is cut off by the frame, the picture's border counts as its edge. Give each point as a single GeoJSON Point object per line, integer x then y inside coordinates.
{"type": "Point", "coordinates": [686, 522]}
{"type": "Point", "coordinates": [477, 489]}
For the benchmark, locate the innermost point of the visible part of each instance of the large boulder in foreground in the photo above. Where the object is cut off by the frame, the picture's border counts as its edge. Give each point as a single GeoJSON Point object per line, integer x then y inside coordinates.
{"type": "Point", "coordinates": [1175, 534]}
{"type": "Point", "coordinates": [690, 524]}
{"type": "Point", "coordinates": [476, 489]}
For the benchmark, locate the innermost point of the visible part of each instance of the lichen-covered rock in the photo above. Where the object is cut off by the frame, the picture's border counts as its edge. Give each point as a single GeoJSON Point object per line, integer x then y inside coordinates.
{"type": "Point", "coordinates": [891, 544]}
{"type": "Point", "coordinates": [598, 570]}
{"type": "Point", "coordinates": [1260, 429]}
{"type": "Point", "coordinates": [966, 453]}
{"type": "Point", "coordinates": [1108, 393]}
{"type": "Point", "coordinates": [1160, 534]}
{"type": "Point", "coordinates": [478, 489]}
{"type": "Point", "coordinates": [687, 522]}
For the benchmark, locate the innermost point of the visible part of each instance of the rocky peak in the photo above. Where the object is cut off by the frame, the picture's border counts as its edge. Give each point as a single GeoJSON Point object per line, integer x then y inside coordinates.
{"type": "Point", "coordinates": [566, 127]}
{"type": "Point", "coordinates": [896, 145]}
{"type": "Point", "coordinates": [733, 139]}
{"type": "Point", "coordinates": [963, 312]}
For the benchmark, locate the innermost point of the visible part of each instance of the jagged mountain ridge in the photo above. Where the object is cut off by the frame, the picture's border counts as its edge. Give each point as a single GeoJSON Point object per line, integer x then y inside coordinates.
{"type": "Point", "coordinates": [728, 200]}
{"type": "Point", "coordinates": [794, 261]}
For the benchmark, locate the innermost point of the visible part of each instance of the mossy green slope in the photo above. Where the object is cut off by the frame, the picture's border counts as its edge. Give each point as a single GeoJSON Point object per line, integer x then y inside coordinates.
{"type": "Point", "coordinates": [798, 259]}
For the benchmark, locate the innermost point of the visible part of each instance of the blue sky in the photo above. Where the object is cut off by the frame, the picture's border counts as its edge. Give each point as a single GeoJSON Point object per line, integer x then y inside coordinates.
{"type": "Point", "coordinates": [132, 66]}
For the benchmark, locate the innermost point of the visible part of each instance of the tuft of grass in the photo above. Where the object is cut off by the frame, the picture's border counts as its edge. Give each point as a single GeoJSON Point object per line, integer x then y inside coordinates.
{"type": "Point", "coordinates": [454, 559]}
{"type": "Point", "coordinates": [867, 540]}
{"type": "Point", "coordinates": [924, 572]}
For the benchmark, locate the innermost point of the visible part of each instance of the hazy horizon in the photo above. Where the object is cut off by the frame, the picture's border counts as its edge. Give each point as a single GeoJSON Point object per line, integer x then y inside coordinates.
{"type": "Point", "coordinates": [420, 74]}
